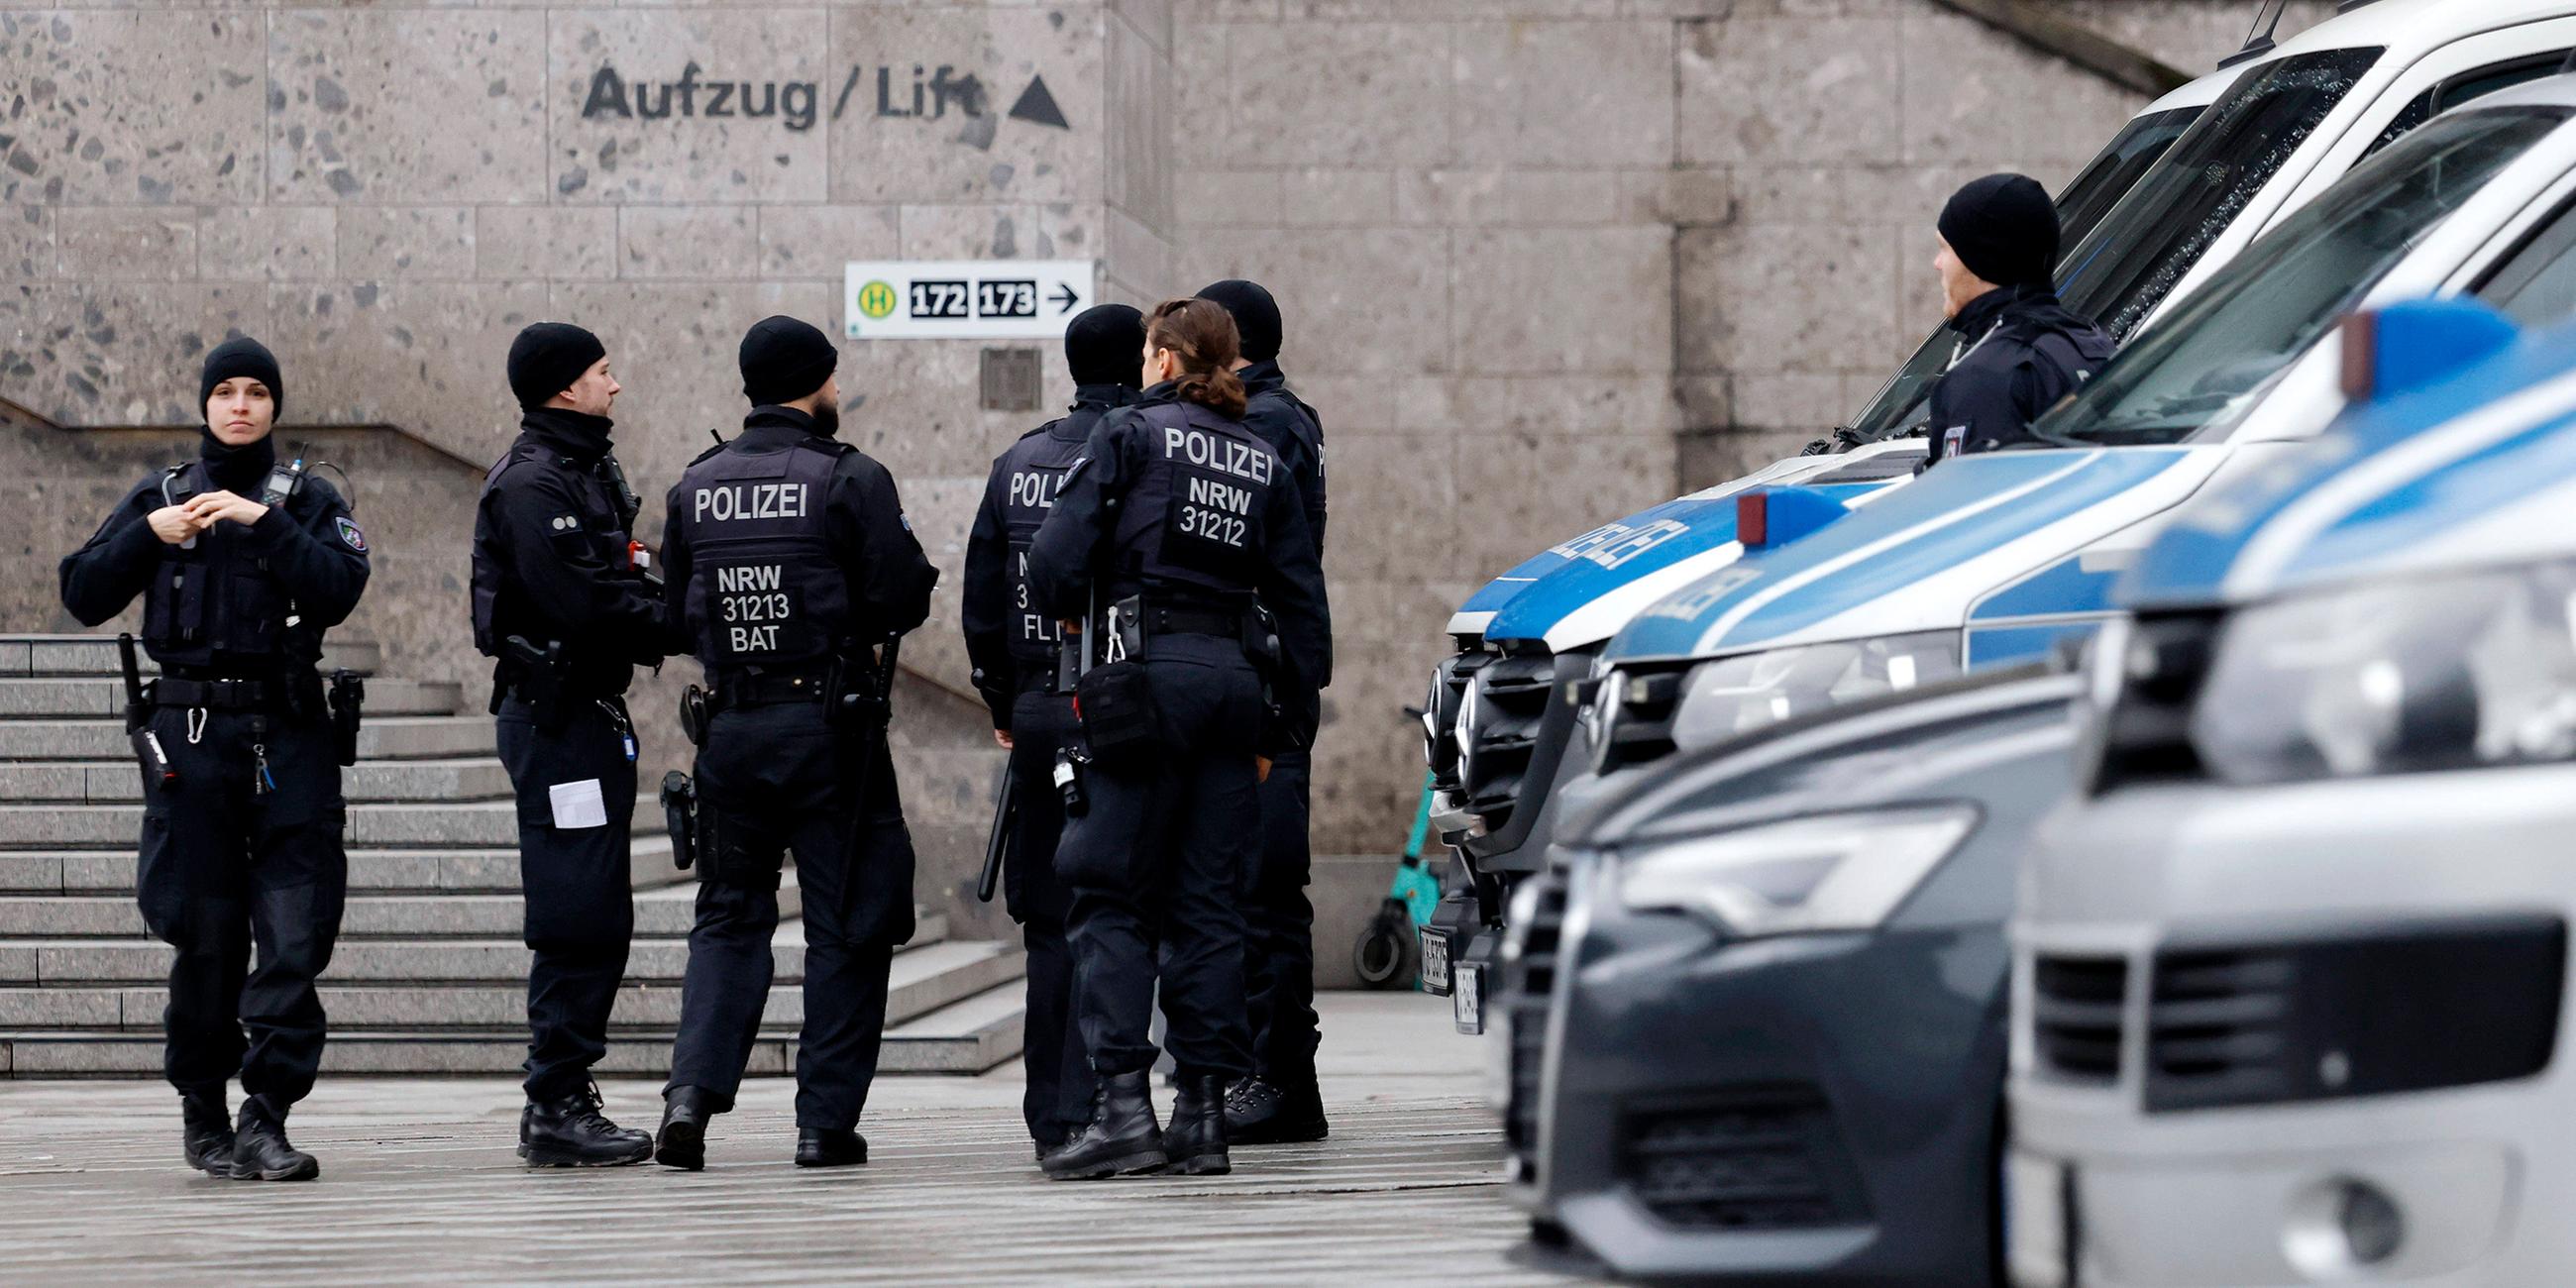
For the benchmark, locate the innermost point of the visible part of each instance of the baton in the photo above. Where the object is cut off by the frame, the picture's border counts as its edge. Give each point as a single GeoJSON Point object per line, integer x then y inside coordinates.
{"type": "Point", "coordinates": [1006, 817]}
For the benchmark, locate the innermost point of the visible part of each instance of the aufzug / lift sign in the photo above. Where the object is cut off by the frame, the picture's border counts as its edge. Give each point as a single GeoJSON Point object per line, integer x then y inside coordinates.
{"type": "Point", "coordinates": [1012, 299]}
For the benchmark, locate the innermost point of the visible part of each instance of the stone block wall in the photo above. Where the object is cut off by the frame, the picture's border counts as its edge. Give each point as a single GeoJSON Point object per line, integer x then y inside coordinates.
{"type": "Point", "coordinates": [1543, 261]}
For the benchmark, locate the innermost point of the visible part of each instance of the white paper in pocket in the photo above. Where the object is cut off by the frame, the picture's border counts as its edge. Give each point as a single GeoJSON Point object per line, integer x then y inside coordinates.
{"type": "Point", "coordinates": [578, 804]}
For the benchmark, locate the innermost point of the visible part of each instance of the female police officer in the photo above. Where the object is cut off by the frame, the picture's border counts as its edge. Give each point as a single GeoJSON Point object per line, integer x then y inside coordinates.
{"type": "Point", "coordinates": [241, 566]}
{"type": "Point", "coordinates": [1175, 520]}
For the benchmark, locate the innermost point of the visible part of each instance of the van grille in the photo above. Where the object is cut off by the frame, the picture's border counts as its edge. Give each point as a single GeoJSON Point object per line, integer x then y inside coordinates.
{"type": "Point", "coordinates": [2075, 1016]}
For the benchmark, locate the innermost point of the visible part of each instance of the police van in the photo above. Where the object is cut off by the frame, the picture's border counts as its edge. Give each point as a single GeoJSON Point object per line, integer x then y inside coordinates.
{"type": "Point", "coordinates": [2275, 131]}
{"type": "Point", "coordinates": [2290, 974]}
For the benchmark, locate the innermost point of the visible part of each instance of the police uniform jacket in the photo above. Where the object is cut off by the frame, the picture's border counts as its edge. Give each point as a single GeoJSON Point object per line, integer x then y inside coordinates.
{"type": "Point", "coordinates": [861, 574]}
{"type": "Point", "coordinates": [1008, 641]}
{"type": "Point", "coordinates": [223, 606]}
{"type": "Point", "coordinates": [2020, 352]}
{"type": "Point", "coordinates": [1136, 510]}
{"type": "Point", "coordinates": [1293, 430]}
{"type": "Point", "coordinates": [552, 559]}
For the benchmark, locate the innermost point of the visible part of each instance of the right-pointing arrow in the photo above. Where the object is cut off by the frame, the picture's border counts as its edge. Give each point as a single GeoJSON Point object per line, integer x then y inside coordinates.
{"type": "Point", "coordinates": [1065, 299]}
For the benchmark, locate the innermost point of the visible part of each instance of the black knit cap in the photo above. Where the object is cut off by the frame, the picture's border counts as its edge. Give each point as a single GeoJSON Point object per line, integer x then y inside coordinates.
{"type": "Point", "coordinates": [2004, 228]}
{"type": "Point", "coordinates": [784, 360]}
{"type": "Point", "coordinates": [1256, 316]}
{"type": "Point", "coordinates": [241, 356]}
{"type": "Point", "coordinates": [1105, 345]}
{"type": "Point", "coordinates": [547, 358]}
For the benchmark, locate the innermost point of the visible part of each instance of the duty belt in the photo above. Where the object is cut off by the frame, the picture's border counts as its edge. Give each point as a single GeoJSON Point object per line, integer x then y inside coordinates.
{"type": "Point", "coordinates": [1181, 620]}
{"type": "Point", "coordinates": [766, 690]}
{"type": "Point", "coordinates": [218, 694]}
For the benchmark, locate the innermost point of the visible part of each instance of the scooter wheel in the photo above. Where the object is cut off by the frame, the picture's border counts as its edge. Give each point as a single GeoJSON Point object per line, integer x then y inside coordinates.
{"type": "Point", "coordinates": [1388, 952]}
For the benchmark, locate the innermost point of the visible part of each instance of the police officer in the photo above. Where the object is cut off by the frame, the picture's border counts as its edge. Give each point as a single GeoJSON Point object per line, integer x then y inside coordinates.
{"type": "Point", "coordinates": [2020, 350]}
{"type": "Point", "coordinates": [1280, 1102]}
{"type": "Point", "coordinates": [1175, 520]}
{"type": "Point", "coordinates": [561, 599]}
{"type": "Point", "coordinates": [790, 559]}
{"type": "Point", "coordinates": [1015, 649]}
{"type": "Point", "coordinates": [242, 565]}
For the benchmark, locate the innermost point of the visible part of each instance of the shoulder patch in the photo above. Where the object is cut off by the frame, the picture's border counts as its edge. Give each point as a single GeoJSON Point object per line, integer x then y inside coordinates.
{"type": "Point", "coordinates": [350, 536]}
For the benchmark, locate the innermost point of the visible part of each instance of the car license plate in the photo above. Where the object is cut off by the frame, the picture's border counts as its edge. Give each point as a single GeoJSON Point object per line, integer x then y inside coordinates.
{"type": "Point", "coordinates": [1467, 999]}
{"type": "Point", "coordinates": [1435, 961]}
{"type": "Point", "coordinates": [2040, 1221]}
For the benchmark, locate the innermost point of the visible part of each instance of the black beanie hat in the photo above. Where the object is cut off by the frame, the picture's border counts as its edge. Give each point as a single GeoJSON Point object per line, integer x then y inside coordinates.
{"type": "Point", "coordinates": [1256, 316]}
{"type": "Point", "coordinates": [2004, 228]}
{"type": "Point", "coordinates": [547, 357]}
{"type": "Point", "coordinates": [1105, 345]}
{"type": "Point", "coordinates": [784, 360]}
{"type": "Point", "coordinates": [240, 356]}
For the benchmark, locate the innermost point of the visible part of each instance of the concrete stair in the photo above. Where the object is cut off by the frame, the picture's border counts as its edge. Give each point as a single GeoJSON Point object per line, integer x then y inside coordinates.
{"type": "Point", "coordinates": [430, 976]}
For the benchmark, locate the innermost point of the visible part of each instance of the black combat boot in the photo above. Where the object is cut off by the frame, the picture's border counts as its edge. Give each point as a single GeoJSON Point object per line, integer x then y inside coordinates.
{"type": "Point", "coordinates": [1122, 1137]}
{"type": "Point", "coordinates": [260, 1150]}
{"type": "Point", "coordinates": [206, 1131]}
{"type": "Point", "coordinates": [683, 1143]}
{"type": "Point", "coordinates": [1261, 1112]}
{"type": "Point", "coordinates": [1194, 1145]}
{"type": "Point", "coordinates": [569, 1131]}
{"type": "Point", "coordinates": [830, 1147]}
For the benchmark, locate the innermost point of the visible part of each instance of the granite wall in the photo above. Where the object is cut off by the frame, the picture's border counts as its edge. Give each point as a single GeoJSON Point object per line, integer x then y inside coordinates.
{"type": "Point", "coordinates": [1543, 261]}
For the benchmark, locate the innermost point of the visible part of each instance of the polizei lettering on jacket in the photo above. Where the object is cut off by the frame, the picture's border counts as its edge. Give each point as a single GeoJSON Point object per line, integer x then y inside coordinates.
{"type": "Point", "coordinates": [729, 501]}
{"type": "Point", "coordinates": [752, 603]}
{"type": "Point", "coordinates": [1217, 452]}
{"type": "Point", "coordinates": [1036, 488]}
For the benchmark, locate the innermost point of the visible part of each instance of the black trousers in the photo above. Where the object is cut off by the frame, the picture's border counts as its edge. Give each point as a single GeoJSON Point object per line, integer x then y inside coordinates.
{"type": "Point", "coordinates": [226, 865]}
{"type": "Point", "coordinates": [1279, 957]}
{"type": "Point", "coordinates": [1159, 866]}
{"type": "Point", "coordinates": [774, 780]}
{"type": "Point", "coordinates": [576, 878]}
{"type": "Point", "coordinates": [1058, 1100]}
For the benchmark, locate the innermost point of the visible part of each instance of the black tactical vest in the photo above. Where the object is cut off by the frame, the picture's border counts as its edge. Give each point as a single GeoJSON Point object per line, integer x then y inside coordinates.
{"type": "Point", "coordinates": [214, 603]}
{"type": "Point", "coordinates": [763, 588]}
{"type": "Point", "coordinates": [1032, 470]}
{"type": "Point", "coordinates": [1192, 523]}
{"type": "Point", "coordinates": [599, 515]}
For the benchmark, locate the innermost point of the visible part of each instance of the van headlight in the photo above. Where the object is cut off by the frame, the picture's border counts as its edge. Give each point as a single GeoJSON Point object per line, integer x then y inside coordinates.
{"type": "Point", "coordinates": [1825, 872]}
{"type": "Point", "coordinates": [2459, 671]}
{"type": "Point", "coordinates": [1737, 695]}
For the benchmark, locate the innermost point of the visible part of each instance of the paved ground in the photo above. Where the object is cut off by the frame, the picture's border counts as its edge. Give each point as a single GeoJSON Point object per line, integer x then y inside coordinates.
{"type": "Point", "coordinates": [419, 1185]}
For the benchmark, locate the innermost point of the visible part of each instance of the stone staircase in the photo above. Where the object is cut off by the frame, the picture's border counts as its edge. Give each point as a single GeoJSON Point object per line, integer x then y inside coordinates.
{"type": "Point", "coordinates": [430, 976]}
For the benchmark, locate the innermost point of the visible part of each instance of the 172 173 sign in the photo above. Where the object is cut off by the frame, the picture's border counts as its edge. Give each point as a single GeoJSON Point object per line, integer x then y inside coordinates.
{"type": "Point", "coordinates": [1005, 299]}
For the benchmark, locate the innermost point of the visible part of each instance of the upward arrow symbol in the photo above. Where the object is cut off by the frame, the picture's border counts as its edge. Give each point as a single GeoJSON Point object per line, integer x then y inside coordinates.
{"type": "Point", "coordinates": [1037, 106]}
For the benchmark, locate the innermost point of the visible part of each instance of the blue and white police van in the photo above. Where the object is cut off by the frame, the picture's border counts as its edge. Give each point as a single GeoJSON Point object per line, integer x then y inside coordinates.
{"type": "Point", "coordinates": [2291, 971]}
{"type": "Point", "coordinates": [2262, 139]}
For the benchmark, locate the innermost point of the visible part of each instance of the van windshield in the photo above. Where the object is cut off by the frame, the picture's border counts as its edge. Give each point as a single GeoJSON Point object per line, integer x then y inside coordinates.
{"type": "Point", "coordinates": [2264, 309]}
{"type": "Point", "coordinates": [2133, 259]}
{"type": "Point", "coordinates": [2096, 189]}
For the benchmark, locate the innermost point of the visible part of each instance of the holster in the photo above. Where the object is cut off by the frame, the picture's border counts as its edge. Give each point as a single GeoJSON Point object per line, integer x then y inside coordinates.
{"type": "Point", "coordinates": [536, 675]}
{"type": "Point", "coordinates": [851, 703]}
{"type": "Point", "coordinates": [348, 696]}
{"type": "Point", "coordinates": [679, 815]}
{"type": "Point", "coordinates": [693, 717]}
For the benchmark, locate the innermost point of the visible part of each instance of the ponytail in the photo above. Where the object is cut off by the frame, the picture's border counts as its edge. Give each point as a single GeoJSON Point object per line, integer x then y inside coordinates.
{"type": "Point", "coordinates": [1219, 391]}
{"type": "Point", "coordinates": [1201, 334]}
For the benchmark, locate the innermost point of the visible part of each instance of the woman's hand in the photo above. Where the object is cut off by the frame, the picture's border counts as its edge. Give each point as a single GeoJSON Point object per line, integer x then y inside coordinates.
{"type": "Point", "coordinates": [212, 507]}
{"type": "Point", "coordinates": [174, 524]}
{"type": "Point", "coordinates": [1261, 769]}
{"type": "Point", "coordinates": [1002, 738]}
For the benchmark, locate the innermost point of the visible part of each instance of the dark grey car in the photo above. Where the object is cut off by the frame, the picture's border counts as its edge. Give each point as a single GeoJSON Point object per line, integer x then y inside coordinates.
{"type": "Point", "coordinates": [1756, 1028]}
